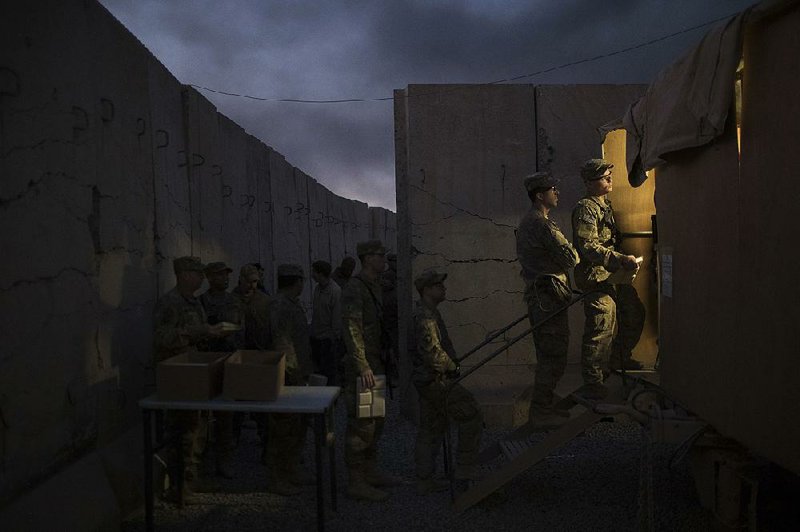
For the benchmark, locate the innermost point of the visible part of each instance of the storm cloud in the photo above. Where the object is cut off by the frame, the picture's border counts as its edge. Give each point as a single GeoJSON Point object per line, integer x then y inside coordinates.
{"type": "Point", "coordinates": [359, 49]}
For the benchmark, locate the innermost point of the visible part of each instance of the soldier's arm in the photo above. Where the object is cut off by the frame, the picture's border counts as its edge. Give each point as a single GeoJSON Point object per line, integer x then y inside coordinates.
{"type": "Point", "coordinates": [559, 247]}
{"type": "Point", "coordinates": [429, 345]}
{"type": "Point", "coordinates": [353, 326]}
{"type": "Point", "coordinates": [169, 336]}
{"type": "Point", "coordinates": [587, 241]}
{"type": "Point", "coordinates": [281, 326]}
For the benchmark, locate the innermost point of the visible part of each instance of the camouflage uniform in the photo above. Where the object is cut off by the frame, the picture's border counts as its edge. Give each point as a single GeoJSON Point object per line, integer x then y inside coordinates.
{"type": "Point", "coordinates": [433, 358]}
{"type": "Point", "coordinates": [290, 336]}
{"type": "Point", "coordinates": [361, 332]}
{"type": "Point", "coordinates": [546, 256]}
{"type": "Point", "coordinates": [255, 311]}
{"type": "Point", "coordinates": [597, 238]}
{"type": "Point", "coordinates": [180, 326]}
{"type": "Point", "coordinates": [219, 307]}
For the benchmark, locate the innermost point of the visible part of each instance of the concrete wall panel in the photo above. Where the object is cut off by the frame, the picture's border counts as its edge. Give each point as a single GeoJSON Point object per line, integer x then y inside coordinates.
{"type": "Point", "coordinates": [319, 238]}
{"type": "Point", "coordinates": [258, 173]}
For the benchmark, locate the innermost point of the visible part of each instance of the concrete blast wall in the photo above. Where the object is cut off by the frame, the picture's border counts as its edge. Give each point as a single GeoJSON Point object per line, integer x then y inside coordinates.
{"type": "Point", "coordinates": [109, 169]}
{"type": "Point", "coordinates": [462, 152]}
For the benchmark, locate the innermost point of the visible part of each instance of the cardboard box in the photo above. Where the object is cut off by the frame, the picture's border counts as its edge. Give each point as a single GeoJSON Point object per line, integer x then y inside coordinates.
{"type": "Point", "coordinates": [252, 375]}
{"type": "Point", "coordinates": [192, 376]}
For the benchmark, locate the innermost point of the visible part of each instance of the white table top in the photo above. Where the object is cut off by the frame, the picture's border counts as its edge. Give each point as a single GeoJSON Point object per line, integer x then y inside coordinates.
{"type": "Point", "coordinates": [293, 400]}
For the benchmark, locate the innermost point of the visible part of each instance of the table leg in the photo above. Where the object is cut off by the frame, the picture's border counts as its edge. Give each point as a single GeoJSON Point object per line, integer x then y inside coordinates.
{"type": "Point", "coordinates": [319, 433]}
{"type": "Point", "coordinates": [148, 470]}
{"type": "Point", "coordinates": [332, 459]}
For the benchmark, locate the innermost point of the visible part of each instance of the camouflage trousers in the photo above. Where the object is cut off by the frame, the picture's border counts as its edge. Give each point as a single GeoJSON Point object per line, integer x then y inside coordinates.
{"type": "Point", "coordinates": [616, 307]}
{"type": "Point", "coordinates": [462, 408]}
{"type": "Point", "coordinates": [363, 434]}
{"type": "Point", "coordinates": [190, 427]}
{"type": "Point", "coordinates": [551, 340]}
{"type": "Point", "coordinates": [287, 436]}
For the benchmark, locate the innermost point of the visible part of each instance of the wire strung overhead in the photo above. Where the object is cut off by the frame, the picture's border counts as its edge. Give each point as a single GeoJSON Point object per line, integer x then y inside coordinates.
{"type": "Point", "coordinates": [514, 78]}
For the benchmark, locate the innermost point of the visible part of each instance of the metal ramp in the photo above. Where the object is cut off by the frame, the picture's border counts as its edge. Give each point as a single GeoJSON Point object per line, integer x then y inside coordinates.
{"type": "Point", "coordinates": [520, 451]}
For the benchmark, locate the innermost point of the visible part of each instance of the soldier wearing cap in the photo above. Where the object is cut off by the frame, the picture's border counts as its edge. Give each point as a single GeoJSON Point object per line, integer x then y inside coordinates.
{"type": "Point", "coordinates": [254, 307]}
{"type": "Point", "coordinates": [181, 326]}
{"type": "Point", "coordinates": [220, 305]}
{"type": "Point", "coordinates": [290, 335]}
{"type": "Point", "coordinates": [362, 334]}
{"type": "Point", "coordinates": [597, 239]}
{"type": "Point", "coordinates": [546, 257]}
{"type": "Point", "coordinates": [434, 365]}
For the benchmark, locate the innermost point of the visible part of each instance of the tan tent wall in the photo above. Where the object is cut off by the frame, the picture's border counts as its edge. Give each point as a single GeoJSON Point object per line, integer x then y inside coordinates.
{"type": "Point", "coordinates": [729, 330]}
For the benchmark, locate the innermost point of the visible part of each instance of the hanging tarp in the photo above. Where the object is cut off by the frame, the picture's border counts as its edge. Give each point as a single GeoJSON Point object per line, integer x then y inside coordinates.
{"type": "Point", "coordinates": [688, 104]}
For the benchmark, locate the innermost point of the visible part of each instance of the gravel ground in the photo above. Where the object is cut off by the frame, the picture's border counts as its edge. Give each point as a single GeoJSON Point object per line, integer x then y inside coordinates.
{"type": "Point", "coordinates": [592, 483]}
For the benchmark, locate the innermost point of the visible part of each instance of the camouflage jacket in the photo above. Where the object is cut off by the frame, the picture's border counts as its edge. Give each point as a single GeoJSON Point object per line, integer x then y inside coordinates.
{"type": "Point", "coordinates": [180, 325]}
{"type": "Point", "coordinates": [256, 319]}
{"type": "Point", "coordinates": [290, 334]}
{"type": "Point", "coordinates": [361, 324]}
{"type": "Point", "coordinates": [431, 345]}
{"type": "Point", "coordinates": [596, 237]}
{"type": "Point", "coordinates": [542, 249]}
{"type": "Point", "coordinates": [222, 307]}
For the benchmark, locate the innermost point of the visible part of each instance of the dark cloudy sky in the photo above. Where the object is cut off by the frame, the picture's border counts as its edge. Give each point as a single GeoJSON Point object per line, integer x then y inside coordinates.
{"type": "Point", "coordinates": [364, 49]}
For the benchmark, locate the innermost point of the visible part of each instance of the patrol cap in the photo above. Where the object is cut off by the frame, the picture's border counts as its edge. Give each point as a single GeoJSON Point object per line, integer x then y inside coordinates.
{"type": "Point", "coordinates": [188, 264]}
{"type": "Point", "coordinates": [290, 270]}
{"type": "Point", "coordinates": [248, 270]}
{"type": "Point", "coordinates": [370, 247]}
{"type": "Point", "coordinates": [592, 169]}
{"type": "Point", "coordinates": [539, 180]}
{"type": "Point", "coordinates": [218, 267]}
{"type": "Point", "coordinates": [428, 278]}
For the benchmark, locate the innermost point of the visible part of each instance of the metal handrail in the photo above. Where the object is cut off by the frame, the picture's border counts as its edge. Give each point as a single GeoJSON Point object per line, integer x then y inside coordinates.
{"type": "Point", "coordinates": [447, 446]}
{"type": "Point", "coordinates": [488, 339]}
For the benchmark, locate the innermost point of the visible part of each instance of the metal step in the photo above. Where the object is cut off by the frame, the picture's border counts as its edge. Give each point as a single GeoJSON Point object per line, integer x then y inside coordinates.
{"type": "Point", "coordinates": [523, 456]}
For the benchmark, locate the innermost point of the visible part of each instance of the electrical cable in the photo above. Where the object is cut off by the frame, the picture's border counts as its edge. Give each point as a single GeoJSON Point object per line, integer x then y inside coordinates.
{"type": "Point", "coordinates": [505, 80]}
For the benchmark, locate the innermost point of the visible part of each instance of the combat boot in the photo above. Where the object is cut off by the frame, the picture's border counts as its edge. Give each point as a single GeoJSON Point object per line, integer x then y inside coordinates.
{"type": "Point", "coordinates": [431, 485]}
{"type": "Point", "coordinates": [359, 489]}
{"type": "Point", "coordinates": [380, 479]}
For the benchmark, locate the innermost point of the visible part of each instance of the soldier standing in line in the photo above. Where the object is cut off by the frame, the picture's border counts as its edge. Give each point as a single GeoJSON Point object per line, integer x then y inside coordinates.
{"type": "Point", "coordinates": [546, 257]}
{"type": "Point", "coordinates": [597, 239]}
{"type": "Point", "coordinates": [343, 272]}
{"type": "Point", "coordinates": [289, 336]}
{"type": "Point", "coordinates": [221, 306]}
{"type": "Point", "coordinates": [254, 306]}
{"type": "Point", "coordinates": [326, 322]}
{"type": "Point", "coordinates": [434, 365]}
{"type": "Point", "coordinates": [362, 333]}
{"type": "Point", "coordinates": [181, 326]}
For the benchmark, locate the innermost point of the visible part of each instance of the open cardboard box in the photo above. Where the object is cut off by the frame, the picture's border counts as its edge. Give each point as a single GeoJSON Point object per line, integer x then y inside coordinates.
{"type": "Point", "coordinates": [191, 376]}
{"type": "Point", "coordinates": [254, 375]}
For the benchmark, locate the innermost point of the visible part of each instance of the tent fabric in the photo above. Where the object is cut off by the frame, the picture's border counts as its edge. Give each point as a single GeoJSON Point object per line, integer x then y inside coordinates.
{"type": "Point", "coordinates": [688, 104]}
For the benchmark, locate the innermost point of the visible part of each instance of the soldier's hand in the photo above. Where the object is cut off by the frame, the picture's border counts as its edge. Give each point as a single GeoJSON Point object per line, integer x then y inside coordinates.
{"type": "Point", "coordinates": [367, 379]}
{"type": "Point", "coordinates": [454, 373]}
{"type": "Point", "coordinates": [629, 262]}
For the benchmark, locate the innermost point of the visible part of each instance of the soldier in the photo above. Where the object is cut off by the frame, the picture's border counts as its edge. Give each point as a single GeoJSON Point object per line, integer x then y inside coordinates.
{"type": "Point", "coordinates": [289, 336]}
{"type": "Point", "coordinates": [597, 239]}
{"type": "Point", "coordinates": [434, 365]}
{"type": "Point", "coordinates": [343, 272]}
{"type": "Point", "coordinates": [326, 322]}
{"type": "Point", "coordinates": [546, 257]}
{"type": "Point", "coordinates": [221, 306]}
{"type": "Point", "coordinates": [181, 326]}
{"type": "Point", "coordinates": [254, 306]}
{"type": "Point", "coordinates": [362, 333]}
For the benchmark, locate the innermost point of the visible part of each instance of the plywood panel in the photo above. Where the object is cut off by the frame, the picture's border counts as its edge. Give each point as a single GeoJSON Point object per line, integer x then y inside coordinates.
{"type": "Point", "coordinates": [763, 382]}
